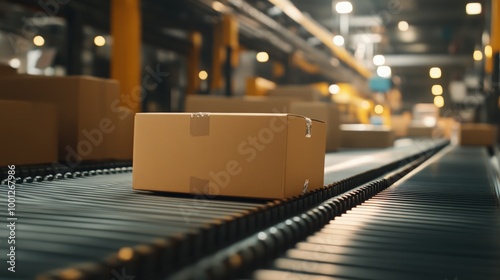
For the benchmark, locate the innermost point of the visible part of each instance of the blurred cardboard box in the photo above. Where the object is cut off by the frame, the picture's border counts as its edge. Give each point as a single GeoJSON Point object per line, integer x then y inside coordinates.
{"type": "Point", "coordinates": [447, 127]}
{"type": "Point", "coordinates": [29, 133]}
{"type": "Point", "coordinates": [478, 134]}
{"type": "Point", "coordinates": [86, 107]}
{"type": "Point", "coordinates": [247, 155]}
{"type": "Point", "coordinates": [400, 125]}
{"type": "Point", "coordinates": [303, 92]}
{"type": "Point", "coordinates": [420, 131]}
{"type": "Point", "coordinates": [247, 104]}
{"type": "Point", "coordinates": [327, 112]}
{"type": "Point", "coordinates": [6, 70]}
{"type": "Point", "coordinates": [122, 139]}
{"type": "Point", "coordinates": [366, 136]}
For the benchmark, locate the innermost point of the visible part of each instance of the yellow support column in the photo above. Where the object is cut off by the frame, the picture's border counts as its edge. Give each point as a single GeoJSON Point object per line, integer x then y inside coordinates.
{"type": "Point", "coordinates": [126, 50]}
{"type": "Point", "coordinates": [194, 63]}
{"type": "Point", "coordinates": [225, 52]}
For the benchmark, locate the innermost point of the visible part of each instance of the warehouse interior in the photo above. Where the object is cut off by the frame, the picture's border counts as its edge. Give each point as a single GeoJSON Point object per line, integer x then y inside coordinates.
{"type": "Point", "coordinates": [258, 139]}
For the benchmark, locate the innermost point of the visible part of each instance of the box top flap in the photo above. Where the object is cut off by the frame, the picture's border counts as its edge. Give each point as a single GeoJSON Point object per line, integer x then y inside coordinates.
{"type": "Point", "coordinates": [201, 114]}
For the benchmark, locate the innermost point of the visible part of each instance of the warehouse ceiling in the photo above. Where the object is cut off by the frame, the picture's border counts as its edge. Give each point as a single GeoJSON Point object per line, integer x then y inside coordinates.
{"type": "Point", "coordinates": [439, 34]}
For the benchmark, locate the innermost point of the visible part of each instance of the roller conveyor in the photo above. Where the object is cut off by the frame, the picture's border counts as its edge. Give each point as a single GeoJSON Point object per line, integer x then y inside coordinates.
{"type": "Point", "coordinates": [96, 227]}
{"type": "Point", "coordinates": [442, 222]}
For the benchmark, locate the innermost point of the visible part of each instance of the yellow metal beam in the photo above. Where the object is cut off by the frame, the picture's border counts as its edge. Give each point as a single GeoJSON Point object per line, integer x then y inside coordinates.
{"type": "Point", "coordinates": [322, 34]}
{"type": "Point", "coordinates": [126, 50]}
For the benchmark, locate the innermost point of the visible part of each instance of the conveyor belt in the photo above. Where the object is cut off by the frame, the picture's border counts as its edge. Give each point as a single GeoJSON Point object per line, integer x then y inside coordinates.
{"type": "Point", "coordinates": [95, 220]}
{"type": "Point", "coordinates": [442, 222]}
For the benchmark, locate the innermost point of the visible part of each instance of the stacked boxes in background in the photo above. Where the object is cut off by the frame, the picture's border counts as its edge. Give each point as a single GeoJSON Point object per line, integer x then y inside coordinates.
{"type": "Point", "coordinates": [323, 111]}
{"type": "Point", "coordinates": [91, 125]}
{"type": "Point", "coordinates": [366, 136]}
{"type": "Point", "coordinates": [29, 133]}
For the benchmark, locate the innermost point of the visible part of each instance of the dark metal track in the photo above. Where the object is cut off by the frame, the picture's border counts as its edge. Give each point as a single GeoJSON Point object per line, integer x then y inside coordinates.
{"type": "Point", "coordinates": [442, 222]}
{"type": "Point", "coordinates": [81, 225]}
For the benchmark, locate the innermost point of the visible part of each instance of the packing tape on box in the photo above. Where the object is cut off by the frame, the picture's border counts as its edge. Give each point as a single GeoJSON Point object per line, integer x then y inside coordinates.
{"type": "Point", "coordinates": [198, 185]}
{"type": "Point", "coordinates": [200, 124]}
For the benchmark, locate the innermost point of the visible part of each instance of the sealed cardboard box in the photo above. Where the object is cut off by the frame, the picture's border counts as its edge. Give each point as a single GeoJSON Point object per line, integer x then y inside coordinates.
{"type": "Point", "coordinates": [366, 136]}
{"type": "Point", "coordinates": [327, 112]}
{"type": "Point", "coordinates": [85, 108]}
{"type": "Point", "coordinates": [421, 131]}
{"type": "Point", "coordinates": [303, 92]}
{"type": "Point", "coordinates": [247, 155]}
{"type": "Point", "coordinates": [29, 133]}
{"type": "Point", "coordinates": [247, 104]}
{"type": "Point", "coordinates": [478, 134]}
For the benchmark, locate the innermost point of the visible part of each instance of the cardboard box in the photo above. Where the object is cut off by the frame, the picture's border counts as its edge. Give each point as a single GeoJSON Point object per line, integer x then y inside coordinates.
{"type": "Point", "coordinates": [303, 92]}
{"type": "Point", "coordinates": [366, 136]}
{"type": "Point", "coordinates": [420, 131]}
{"type": "Point", "coordinates": [247, 155]}
{"type": "Point", "coordinates": [327, 112]}
{"type": "Point", "coordinates": [478, 134]}
{"type": "Point", "coordinates": [6, 70]}
{"type": "Point", "coordinates": [400, 125]}
{"type": "Point", "coordinates": [247, 104]}
{"type": "Point", "coordinates": [85, 108]}
{"type": "Point", "coordinates": [29, 133]}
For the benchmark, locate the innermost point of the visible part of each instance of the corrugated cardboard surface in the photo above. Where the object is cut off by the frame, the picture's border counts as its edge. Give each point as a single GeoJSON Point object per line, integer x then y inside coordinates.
{"type": "Point", "coordinates": [247, 104]}
{"type": "Point", "coordinates": [327, 112]}
{"type": "Point", "coordinates": [366, 136]}
{"type": "Point", "coordinates": [248, 155]}
{"type": "Point", "coordinates": [29, 133]}
{"type": "Point", "coordinates": [85, 126]}
{"type": "Point", "coordinates": [478, 134]}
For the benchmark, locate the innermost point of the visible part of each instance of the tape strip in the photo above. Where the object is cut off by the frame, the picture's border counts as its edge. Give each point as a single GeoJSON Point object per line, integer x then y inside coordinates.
{"type": "Point", "coordinates": [198, 186]}
{"type": "Point", "coordinates": [200, 124]}
{"type": "Point", "coordinates": [308, 127]}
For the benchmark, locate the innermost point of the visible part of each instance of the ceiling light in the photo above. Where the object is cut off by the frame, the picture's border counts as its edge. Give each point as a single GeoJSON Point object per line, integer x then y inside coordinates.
{"type": "Point", "coordinates": [338, 40]}
{"type": "Point", "coordinates": [334, 89]}
{"type": "Point", "coordinates": [488, 51]}
{"type": "Point", "coordinates": [473, 8]}
{"type": "Point", "coordinates": [437, 89]}
{"type": "Point", "coordinates": [379, 60]}
{"type": "Point", "coordinates": [403, 26]}
{"type": "Point", "coordinates": [478, 55]}
{"type": "Point", "coordinates": [38, 41]}
{"type": "Point", "coordinates": [262, 57]}
{"type": "Point", "coordinates": [343, 7]}
{"type": "Point", "coordinates": [439, 101]}
{"type": "Point", "coordinates": [384, 71]}
{"type": "Point", "coordinates": [203, 75]}
{"type": "Point", "coordinates": [99, 41]}
{"type": "Point", "coordinates": [379, 109]}
{"type": "Point", "coordinates": [435, 73]}
{"type": "Point", "coordinates": [15, 63]}
{"type": "Point", "coordinates": [218, 6]}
